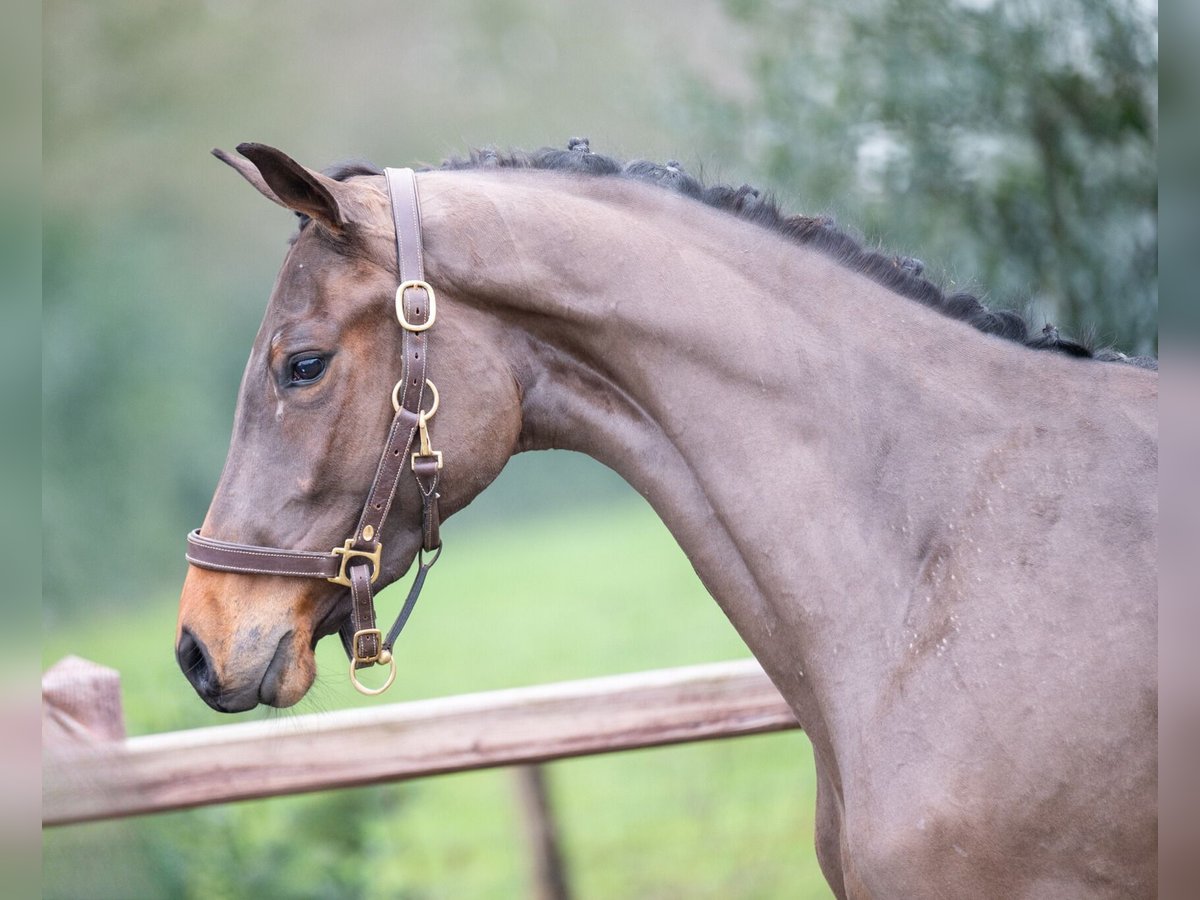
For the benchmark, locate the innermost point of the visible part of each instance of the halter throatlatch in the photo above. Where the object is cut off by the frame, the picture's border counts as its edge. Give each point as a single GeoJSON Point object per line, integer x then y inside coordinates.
{"type": "Point", "coordinates": [356, 564]}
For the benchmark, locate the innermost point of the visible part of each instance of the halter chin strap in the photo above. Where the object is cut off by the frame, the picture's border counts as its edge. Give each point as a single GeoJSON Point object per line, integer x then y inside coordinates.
{"type": "Point", "coordinates": [357, 563]}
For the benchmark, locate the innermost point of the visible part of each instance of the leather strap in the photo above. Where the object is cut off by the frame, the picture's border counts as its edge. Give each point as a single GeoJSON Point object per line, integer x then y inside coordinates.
{"type": "Point", "coordinates": [414, 309]}
{"type": "Point", "coordinates": [428, 471]}
{"type": "Point", "coordinates": [358, 561]}
{"type": "Point", "coordinates": [209, 553]}
{"type": "Point", "coordinates": [362, 617]}
{"type": "Point", "coordinates": [413, 593]}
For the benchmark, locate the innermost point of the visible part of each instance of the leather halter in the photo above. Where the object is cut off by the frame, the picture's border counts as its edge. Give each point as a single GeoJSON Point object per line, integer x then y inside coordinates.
{"type": "Point", "coordinates": [356, 564]}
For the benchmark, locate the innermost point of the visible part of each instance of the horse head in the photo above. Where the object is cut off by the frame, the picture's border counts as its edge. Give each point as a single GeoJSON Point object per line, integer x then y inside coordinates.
{"type": "Point", "coordinates": [313, 413]}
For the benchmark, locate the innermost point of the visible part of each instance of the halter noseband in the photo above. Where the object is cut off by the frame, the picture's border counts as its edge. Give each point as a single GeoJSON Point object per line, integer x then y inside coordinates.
{"type": "Point", "coordinates": [356, 564]}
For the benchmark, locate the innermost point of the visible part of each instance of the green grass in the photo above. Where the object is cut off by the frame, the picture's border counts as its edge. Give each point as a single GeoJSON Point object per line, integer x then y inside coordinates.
{"type": "Point", "coordinates": [570, 596]}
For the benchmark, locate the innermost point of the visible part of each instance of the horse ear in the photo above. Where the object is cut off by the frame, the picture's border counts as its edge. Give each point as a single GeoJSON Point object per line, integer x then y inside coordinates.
{"type": "Point", "coordinates": [246, 169]}
{"type": "Point", "coordinates": [280, 178]}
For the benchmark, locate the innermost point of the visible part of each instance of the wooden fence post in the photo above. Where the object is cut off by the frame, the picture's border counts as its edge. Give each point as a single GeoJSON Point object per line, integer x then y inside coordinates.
{"type": "Point", "coordinates": [548, 872]}
{"type": "Point", "coordinates": [81, 704]}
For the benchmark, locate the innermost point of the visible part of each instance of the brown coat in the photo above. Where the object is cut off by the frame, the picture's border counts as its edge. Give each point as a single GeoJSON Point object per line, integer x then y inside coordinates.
{"type": "Point", "coordinates": [939, 544]}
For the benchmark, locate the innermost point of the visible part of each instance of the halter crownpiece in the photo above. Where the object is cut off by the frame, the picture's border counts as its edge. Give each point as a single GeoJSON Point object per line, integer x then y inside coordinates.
{"type": "Point", "coordinates": [357, 562]}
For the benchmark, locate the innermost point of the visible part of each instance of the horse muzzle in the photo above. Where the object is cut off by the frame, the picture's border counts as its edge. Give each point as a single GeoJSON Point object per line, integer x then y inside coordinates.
{"type": "Point", "coordinates": [243, 641]}
{"type": "Point", "coordinates": [197, 665]}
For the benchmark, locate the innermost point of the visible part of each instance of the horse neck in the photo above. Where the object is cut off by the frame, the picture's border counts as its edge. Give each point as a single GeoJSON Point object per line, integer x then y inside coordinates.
{"type": "Point", "coordinates": [758, 395]}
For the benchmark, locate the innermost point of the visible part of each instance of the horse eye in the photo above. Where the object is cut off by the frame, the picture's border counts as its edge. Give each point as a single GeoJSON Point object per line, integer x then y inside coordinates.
{"type": "Point", "coordinates": [307, 369]}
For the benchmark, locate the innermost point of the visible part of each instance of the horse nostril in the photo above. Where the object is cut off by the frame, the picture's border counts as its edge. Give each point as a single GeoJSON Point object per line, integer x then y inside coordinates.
{"type": "Point", "coordinates": [197, 668]}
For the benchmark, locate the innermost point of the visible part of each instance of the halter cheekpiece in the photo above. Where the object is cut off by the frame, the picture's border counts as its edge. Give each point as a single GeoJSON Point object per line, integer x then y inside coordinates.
{"type": "Point", "coordinates": [356, 563]}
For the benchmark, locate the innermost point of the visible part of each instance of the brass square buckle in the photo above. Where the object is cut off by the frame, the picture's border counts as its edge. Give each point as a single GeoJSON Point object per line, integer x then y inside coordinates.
{"type": "Point", "coordinates": [436, 454]}
{"type": "Point", "coordinates": [367, 632]}
{"type": "Point", "coordinates": [347, 552]}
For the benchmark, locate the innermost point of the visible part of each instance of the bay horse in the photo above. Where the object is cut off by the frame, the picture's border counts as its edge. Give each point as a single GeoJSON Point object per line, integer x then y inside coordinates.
{"type": "Point", "coordinates": [935, 529]}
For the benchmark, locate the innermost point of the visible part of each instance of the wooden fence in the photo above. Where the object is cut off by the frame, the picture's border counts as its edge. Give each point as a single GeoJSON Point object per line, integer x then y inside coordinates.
{"type": "Point", "coordinates": [91, 770]}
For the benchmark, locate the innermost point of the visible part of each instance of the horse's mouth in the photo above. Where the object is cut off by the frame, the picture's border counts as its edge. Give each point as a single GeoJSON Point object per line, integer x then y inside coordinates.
{"type": "Point", "coordinates": [272, 680]}
{"type": "Point", "coordinates": [266, 691]}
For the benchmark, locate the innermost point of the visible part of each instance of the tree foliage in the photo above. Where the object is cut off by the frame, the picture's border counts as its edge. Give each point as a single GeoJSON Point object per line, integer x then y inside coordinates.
{"type": "Point", "coordinates": [1013, 145]}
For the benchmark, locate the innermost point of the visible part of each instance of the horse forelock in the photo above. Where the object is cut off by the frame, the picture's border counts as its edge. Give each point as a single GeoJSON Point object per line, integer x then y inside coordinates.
{"type": "Point", "coordinates": [900, 274]}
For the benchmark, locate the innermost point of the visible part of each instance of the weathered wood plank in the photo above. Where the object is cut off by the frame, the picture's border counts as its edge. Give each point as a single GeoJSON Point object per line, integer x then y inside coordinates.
{"type": "Point", "coordinates": [407, 740]}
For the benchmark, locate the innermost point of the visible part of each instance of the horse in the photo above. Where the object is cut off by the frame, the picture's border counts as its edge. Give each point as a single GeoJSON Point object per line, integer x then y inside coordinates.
{"type": "Point", "coordinates": [934, 526]}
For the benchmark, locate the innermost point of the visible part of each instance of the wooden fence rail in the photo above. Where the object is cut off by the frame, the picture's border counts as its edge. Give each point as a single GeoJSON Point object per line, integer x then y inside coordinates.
{"type": "Point", "coordinates": [91, 771]}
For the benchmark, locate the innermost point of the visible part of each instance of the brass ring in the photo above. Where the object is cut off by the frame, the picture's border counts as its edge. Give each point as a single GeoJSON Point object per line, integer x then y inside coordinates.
{"type": "Point", "coordinates": [396, 398]}
{"type": "Point", "coordinates": [371, 692]}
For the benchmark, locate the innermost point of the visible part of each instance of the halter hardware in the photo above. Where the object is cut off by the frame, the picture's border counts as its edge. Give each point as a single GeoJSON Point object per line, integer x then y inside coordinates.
{"type": "Point", "coordinates": [356, 656]}
{"type": "Point", "coordinates": [382, 658]}
{"type": "Point", "coordinates": [425, 450]}
{"type": "Point", "coordinates": [365, 644]}
{"type": "Point", "coordinates": [347, 553]}
{"type": "Point", "coordinates": [432, 389]}
{"type": "Point", "coordinates": [419, 284]}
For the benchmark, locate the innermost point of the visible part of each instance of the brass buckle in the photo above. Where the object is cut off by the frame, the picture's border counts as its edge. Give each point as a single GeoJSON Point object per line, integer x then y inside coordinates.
{"type": "Point", "coordinates": [425, 286]}
{"type": "Point", "coordinates": [436, 454]}
{"type": "Point", "coordinates": [347, 552]}
{"type": "Point", "coordinates": [366, 632]}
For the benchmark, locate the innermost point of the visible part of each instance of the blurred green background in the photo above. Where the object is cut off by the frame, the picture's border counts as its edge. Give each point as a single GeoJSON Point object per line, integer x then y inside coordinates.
{"type": "Point", "coordinates": [1011, 146]}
